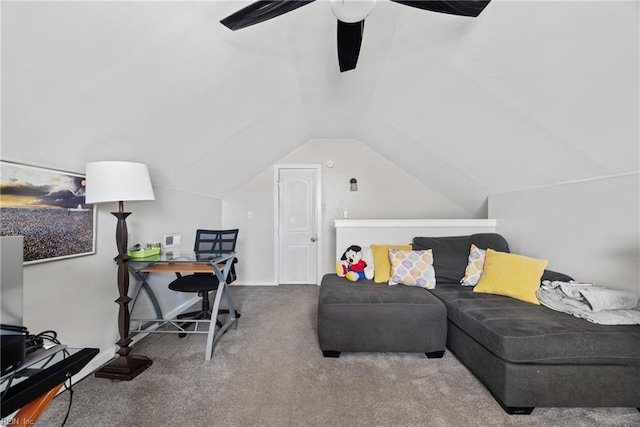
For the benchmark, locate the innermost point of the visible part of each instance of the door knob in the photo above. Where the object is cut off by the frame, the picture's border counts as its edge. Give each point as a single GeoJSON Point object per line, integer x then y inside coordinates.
{"type": "Point", "coordinates": [313, 238]}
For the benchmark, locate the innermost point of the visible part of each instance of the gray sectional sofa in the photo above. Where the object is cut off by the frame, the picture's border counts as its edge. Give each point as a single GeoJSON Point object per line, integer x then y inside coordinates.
{"type": "Point", "coordinates": [526, 355]}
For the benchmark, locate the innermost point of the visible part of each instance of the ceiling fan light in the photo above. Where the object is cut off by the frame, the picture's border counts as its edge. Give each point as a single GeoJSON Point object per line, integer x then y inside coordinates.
{"type": "Point", "coordinates": [351, 11]}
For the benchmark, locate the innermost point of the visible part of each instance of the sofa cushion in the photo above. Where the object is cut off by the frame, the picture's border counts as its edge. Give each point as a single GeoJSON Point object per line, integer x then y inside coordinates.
{"type": "Point", "coordinates": [338, 290]}
{"type": "Point", "coordinates": [552, 276]}
{"type": "Point", "coordinates": [450, 254]}
{"type": "Point", "coordinates": [519, 332]}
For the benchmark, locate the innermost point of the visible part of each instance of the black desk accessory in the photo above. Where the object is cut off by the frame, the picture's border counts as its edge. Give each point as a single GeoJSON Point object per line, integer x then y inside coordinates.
{"type": "Point", "coordinates": [12, 346]}
{"type": "Point", "coordinates": [44, 380]}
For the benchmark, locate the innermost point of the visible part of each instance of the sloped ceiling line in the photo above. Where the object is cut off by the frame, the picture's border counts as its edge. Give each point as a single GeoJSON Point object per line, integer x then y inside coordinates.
{"type": "Point", "coordinates": [385, 63]}
{"type": "Point", "coordinates": [465, 191]}
{"type": "Point", "coordinates": [297, 82]}
{"type": "Point", "coordinates": [82, 89]}
{"type": "Point", "coordinates": [228, 141]}
{"type": "Point", "coordinates": [131, 78]}
{"type": "Point", "coordinates": [538, 119]}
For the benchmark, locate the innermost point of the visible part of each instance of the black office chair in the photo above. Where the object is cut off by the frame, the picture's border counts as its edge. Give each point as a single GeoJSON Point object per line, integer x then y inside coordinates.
{"type": "Point", "coordinates": [203, 283]}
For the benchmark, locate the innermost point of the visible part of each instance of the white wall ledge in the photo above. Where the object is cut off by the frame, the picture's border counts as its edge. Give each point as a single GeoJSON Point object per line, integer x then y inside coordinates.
{"type": "Point", "coordinates": [364, 232]}
{"type": "Point", "coordinates": [400, 223]}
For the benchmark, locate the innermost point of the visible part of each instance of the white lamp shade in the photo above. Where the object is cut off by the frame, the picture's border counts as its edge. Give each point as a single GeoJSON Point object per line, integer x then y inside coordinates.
{"type": "Point", "coordinates": [351, 11]}
{"type": "Point", "coordinates": [117, 181]}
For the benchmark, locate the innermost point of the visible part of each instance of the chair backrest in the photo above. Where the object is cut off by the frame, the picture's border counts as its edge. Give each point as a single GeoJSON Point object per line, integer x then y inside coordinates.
{"type": "Point", "coordinates": [216, 240]}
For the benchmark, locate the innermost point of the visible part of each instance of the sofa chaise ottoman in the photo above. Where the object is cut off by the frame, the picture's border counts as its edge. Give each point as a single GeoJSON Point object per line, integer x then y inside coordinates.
{"type": "Point", "coordinates": [365, 316]}
{"type": "Point", "coordinates": [529, 355]}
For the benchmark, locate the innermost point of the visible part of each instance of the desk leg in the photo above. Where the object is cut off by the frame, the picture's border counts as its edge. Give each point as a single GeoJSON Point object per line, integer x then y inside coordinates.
{"type": "Point", "coordinates": [141, 284]}
{"type": "Point", "coordinates": [232, 309]}
{"type": "Point", "coordinates": [29, 414]}
{"type": "Point", "coordinates": [140, 279]}
{"type": "Point", "coordinates": [212, 336]}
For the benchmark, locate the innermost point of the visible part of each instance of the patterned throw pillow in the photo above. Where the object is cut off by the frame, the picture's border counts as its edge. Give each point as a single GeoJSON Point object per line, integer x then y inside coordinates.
{"type": "Point", "coordinates": [475, 266]}
{"type": "Point", "coordinates": [412, 268]}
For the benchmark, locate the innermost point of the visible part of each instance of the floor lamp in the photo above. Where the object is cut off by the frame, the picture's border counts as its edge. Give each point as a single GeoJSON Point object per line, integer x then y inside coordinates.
{"type": "Point", "coordinates": [120, 182]}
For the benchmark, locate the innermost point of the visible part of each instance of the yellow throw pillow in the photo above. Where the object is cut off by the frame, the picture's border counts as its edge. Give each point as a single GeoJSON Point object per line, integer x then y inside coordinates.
{"type": "Point", "coordinates": [381, 263]}
{"type": "Point", "coordinates": [511, 275]}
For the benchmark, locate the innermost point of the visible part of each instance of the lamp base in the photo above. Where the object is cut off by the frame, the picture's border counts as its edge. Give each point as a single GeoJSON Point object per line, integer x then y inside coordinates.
{"type": "Point", "coordinates": [124, 368]}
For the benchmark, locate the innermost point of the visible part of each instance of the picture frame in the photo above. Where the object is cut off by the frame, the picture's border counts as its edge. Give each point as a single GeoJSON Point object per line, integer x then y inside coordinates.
{"type": "Point", "coordinates": [48, 208]}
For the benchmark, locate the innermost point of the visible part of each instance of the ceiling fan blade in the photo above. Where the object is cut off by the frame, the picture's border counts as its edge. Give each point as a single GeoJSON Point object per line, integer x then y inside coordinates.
{"type": "Point", "coordinates": [452, 7]}
{"type": "Point", "coordinates": [261, 11]}
{"type": "Point", "coordinates": [349, 41]}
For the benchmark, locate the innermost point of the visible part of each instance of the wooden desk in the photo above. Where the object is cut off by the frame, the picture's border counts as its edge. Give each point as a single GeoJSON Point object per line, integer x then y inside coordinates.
{"type": "Point", "coordinates": [184, 263]}
{"type": "Point", "coordinates": [178, 268]}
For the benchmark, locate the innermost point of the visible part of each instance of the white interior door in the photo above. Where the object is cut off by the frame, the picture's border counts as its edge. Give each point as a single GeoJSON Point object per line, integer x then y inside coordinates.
{"type": "Point", "coordinates": [298, 201]}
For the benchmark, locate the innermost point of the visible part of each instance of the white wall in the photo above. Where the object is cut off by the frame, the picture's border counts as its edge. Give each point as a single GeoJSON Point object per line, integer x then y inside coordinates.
{"type": "Point", "coordinates": [75, 297]}
{"type": "Point", "coordinates": [589, 230]}
{"type": "Point", "coordinates": [384, 192]}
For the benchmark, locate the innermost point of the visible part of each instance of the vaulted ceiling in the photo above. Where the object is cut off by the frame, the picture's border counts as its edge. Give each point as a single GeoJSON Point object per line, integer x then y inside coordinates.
{"type": "Point", "coordinates": [529, 93]}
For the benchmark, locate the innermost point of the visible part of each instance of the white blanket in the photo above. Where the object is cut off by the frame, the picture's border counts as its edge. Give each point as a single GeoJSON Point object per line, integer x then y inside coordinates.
{"type": "Point", "coordinates": [596, 304]}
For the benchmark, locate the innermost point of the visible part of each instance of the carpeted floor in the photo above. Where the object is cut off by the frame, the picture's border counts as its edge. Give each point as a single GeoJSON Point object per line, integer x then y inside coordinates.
{"type": "Point", "coordinates": [270, 372]}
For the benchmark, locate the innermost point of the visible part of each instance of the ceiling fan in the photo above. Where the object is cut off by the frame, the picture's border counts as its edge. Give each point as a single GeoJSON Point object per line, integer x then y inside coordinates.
{"type": "Point", "coordinates": [350, 14]}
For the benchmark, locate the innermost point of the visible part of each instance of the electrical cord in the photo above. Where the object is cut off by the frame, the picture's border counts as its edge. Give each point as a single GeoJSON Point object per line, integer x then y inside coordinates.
{"type": "Point", "coordinates": [51, 336]}
{"type": "Point", "coordinates": [34, 342]}
{"type": "Point", "coordinates": [70, 390]}
{"type": "Point", "coordinates": [10, 380]}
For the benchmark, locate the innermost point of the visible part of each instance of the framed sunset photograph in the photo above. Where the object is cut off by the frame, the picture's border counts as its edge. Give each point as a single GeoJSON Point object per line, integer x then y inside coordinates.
{"type": "Point", "coordinates": [48, 208]}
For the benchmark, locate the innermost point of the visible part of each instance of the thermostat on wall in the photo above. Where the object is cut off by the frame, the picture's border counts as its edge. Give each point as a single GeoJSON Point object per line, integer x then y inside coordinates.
{"type": "Point", "coordinates": [172, 240]}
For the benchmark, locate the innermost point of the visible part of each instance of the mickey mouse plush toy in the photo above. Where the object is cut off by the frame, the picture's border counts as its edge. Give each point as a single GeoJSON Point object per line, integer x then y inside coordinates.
{"type": "Point", "coordinates": [352, 266]}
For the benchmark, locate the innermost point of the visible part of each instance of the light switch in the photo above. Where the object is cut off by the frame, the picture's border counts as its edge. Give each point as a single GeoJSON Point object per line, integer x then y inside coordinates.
{"type": "Point", "coordinates": [172, 240]}
{"type": "Point", "coordinates": [250, 214]}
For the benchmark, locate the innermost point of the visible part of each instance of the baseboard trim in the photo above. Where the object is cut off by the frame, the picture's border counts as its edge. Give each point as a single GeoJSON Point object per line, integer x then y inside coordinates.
{"type": "Point", "coordinates": [108, 354]}
{"type": "Point", "coordinates": [240, 283]}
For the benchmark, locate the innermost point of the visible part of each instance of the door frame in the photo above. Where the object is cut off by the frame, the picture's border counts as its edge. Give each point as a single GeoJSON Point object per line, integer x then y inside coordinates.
{"type": "Point", "coordinates": [276, 220]}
